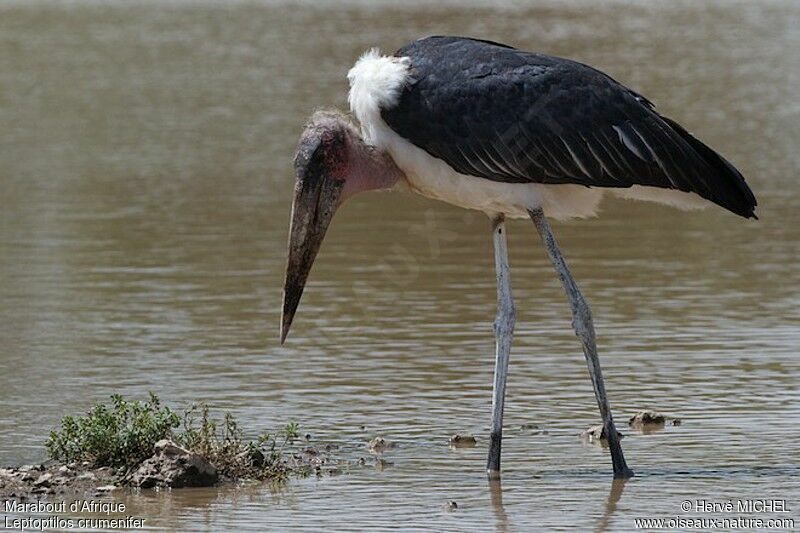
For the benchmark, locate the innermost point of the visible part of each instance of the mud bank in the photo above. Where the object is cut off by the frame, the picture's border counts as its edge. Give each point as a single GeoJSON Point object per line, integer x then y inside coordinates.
{"type": "Point", "coordinates": [170, 466]}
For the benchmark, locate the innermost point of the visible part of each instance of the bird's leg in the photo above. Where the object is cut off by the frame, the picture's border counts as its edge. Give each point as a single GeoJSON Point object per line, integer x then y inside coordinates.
{"type": "Point", "coordinates": [584, 329]}
{"type": "Point", "coordinates": [503, 330]}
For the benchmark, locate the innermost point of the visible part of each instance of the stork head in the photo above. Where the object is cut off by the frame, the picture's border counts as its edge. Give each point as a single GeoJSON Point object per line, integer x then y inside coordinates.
{"type": "Point", "coordinates": [332, 163]}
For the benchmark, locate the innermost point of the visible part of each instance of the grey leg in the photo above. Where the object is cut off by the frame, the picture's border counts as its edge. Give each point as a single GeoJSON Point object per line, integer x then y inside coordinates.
{"type": "Point", "coordinates": [504, 331]}
{"type": "Point", "coordinates": [584, 329]}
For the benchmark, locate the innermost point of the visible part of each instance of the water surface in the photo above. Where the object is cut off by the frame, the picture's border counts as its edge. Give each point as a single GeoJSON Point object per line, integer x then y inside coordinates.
{"type": "Point", "coordinates": [145, 187]}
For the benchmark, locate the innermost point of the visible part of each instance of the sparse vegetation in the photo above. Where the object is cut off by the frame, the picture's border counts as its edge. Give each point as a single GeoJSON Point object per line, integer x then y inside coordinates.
{"type": "Point", "coordinates": [122, 435]}
{"type": "Point", "coordinates": [119, 435]}
{"type": "Point", "coordinates": [226, 448]}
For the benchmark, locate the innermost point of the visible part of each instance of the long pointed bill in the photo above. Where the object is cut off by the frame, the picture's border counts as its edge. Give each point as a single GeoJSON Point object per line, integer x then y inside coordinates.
{"type": "Point", "coordinates": [316, 197]}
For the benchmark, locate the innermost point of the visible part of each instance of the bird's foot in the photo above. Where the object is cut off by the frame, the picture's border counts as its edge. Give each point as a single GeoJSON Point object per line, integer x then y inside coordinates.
{"type": "Point", "coordinates": [623, 473]}
{"type": "Point", "coordinates": [492, 474]}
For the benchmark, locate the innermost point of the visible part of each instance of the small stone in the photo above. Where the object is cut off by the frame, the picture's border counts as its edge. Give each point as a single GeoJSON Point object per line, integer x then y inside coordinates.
{"type": "Point", "coordinates": [536, 429]}
{"type": "Point", "coordinates": [462, 441]}
{"type": "Point", "coordinates": [85, 476]}
{"type": "Point", "coordinates": [380, 445]}
{"type": "Point", "coordinates": [251, 456]}
{"type": "Point", "coordinates": [308, 436]}
{"type": "Point", "coordinates": [645, 418]}
{"type": "Point", "coordinates": [597, 434]}
{"type": "Point", "coordinates": [450, 506]}
{"type": "Point", "coordinates": [106, 488]}
{"type": "Point", "coordinates": [168, 447]}
{"type": "Point", "coordinates": [676, 421]}
{"type": "Point", "coordinates": [257, 457]}
{"type": "Point", "coordinates": [44, 480]}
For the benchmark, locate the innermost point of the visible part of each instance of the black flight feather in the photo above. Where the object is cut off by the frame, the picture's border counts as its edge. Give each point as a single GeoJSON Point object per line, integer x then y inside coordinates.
{"type": "Point", "coordinates": [499, 113]}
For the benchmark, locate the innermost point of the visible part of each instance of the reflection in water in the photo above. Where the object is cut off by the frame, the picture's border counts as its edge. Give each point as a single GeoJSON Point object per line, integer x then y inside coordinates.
{"type": "Point", "coordinates": [614, 494]}
{"type": "Point", "coordinates": [496, 495]}
{"type": "Point", "coordinates": [145, 182]}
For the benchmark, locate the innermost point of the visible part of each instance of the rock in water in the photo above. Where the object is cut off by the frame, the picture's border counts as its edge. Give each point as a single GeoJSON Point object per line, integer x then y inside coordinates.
{"type": "Point", "coordinates": [648, 421]}
{"type": "Point", "coordinates": [462, 441]}
{"type": "Point", "coordinates": [379, 445]}
{"type": "Point", "coordinates": [173, 466]}
{"type": "Point", "coordinates": [597, 435]}
{"type": "Point", "coordinates": [643, 418]}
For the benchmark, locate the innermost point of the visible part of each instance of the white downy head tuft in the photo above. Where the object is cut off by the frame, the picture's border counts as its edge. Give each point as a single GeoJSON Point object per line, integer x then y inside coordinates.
{"type": "Point", "coordinates": [376, 82]}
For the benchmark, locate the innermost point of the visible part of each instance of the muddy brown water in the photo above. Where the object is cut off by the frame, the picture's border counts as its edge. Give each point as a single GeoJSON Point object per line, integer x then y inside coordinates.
{"type": "Point", "coordinates": [145, 185]}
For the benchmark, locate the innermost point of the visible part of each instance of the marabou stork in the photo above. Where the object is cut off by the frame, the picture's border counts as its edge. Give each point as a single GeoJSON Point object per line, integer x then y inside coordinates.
{"type": "Point", "coordinates": [485, 126]}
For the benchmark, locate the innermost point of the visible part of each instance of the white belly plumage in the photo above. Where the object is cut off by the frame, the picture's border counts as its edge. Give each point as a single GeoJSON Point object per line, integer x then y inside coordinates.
{"type": "Point", "coordinates": [376, 82]}
{"type": "Point", "coordinates": [436, 179]}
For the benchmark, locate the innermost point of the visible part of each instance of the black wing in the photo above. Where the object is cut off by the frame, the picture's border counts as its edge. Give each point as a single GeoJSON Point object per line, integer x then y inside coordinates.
{"type": "Point", "coordinates": [502, 114]}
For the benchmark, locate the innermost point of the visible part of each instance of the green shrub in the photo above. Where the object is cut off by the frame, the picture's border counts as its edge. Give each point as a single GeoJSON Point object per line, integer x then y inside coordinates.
{"type": "Point", "coordinates": [122, 435]}
{"type": "Point", "coordinates": [119, 435]}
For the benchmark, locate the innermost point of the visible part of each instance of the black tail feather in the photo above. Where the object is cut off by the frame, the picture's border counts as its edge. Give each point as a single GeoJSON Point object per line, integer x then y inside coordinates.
{"type": "Point", "coordinates": [729, 187]}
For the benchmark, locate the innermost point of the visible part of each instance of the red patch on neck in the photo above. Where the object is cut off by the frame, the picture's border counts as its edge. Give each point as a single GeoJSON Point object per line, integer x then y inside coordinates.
{"type": "Point", "coordinates": [334, 146]}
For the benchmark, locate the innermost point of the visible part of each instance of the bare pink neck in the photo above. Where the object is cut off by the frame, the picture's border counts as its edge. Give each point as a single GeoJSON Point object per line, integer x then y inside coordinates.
{"type": "Point", "coordinates": [369, 169]}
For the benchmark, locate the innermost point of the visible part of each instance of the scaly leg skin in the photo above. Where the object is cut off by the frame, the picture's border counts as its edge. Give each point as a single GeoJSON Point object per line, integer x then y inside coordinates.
{"type": "Point", "coordinates": [584, 329]}
{"type": "Point", "coordinates": [504, 331]}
